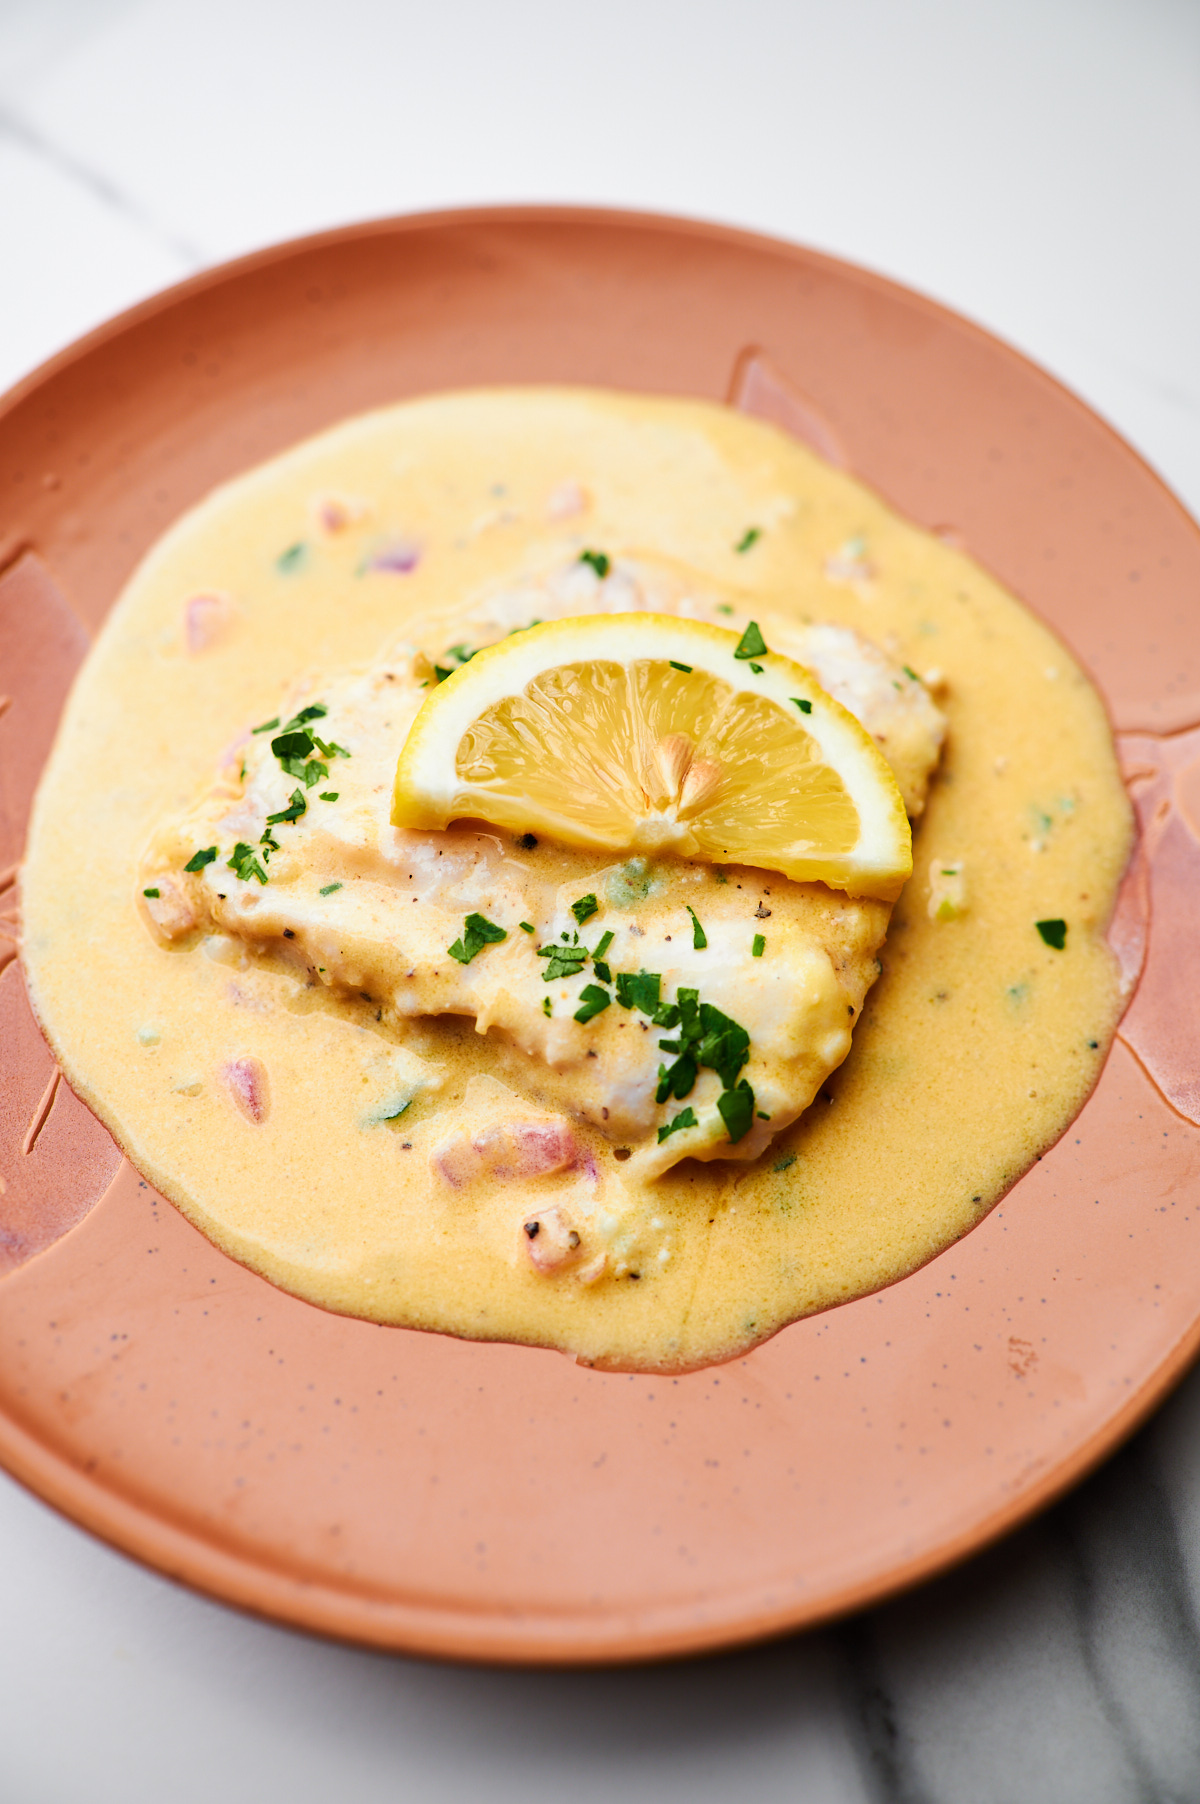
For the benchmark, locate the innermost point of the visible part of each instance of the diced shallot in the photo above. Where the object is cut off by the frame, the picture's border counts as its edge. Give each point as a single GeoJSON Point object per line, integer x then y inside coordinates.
{"type": "Point", "coordinates": [246, 1081]}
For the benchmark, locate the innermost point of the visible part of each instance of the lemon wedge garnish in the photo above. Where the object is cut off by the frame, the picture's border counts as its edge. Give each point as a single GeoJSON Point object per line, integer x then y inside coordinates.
{"type": "Point", "coordinates": [651, 733]}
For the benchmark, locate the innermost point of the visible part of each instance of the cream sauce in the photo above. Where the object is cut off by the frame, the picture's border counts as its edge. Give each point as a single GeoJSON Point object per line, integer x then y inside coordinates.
{"type": "Point", "coordinates": [385, 1165]}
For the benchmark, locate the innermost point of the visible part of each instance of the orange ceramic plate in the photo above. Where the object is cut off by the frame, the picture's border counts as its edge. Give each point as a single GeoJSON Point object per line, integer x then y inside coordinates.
{"type": "Point", "coordinates": [496, 1502]}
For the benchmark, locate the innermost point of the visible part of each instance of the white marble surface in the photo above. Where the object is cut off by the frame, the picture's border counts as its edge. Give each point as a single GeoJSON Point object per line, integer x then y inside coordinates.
{"type": "Point", "coordinates": [1034, 163]}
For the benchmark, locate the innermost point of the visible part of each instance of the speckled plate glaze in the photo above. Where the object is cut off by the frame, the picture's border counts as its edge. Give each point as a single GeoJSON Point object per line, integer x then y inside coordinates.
{"type": "Point", "coordinates": [495, 1502]}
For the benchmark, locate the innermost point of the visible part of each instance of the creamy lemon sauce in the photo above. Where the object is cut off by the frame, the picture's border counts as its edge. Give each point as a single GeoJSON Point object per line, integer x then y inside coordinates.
{"type": "Point", "coordinates": [366, 1160]}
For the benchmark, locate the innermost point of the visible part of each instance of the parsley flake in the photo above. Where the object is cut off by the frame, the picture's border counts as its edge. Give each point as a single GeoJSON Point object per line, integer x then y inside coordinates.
{"type": "Point", "coordinates": [639, 990]}
{"type": "Point", "coordinates": [291, 560]}
{"type": "Point", "coordinates": [784, 1164]}
{"type": "Point", "coordinates": [525, 926]}
{"type": "Point", "coordinates": [699, 937]}
{"type": "Point", "coordinates": [599, 560]}
{"type": "Point", "coordinates": [198, 860]}
{"type": "Point", "coordinates": [910, 673]}
{"type": "Point", "coordinates": [440, 673]}
{"type": "Point", "coordinates": [329, 888]}
{"type": "Point", "coordinates": [1054, 933]}
{"type": "Point", "coordinates": [545, 1005]}
{"type": "Point", "coordinates": [736, 1108]}
{"type": "Point", "coordinates": [804, 707]}
{"type": "Point", "coordinates": [675, 665]}
{"type": "Point", "coordinates": [686, 1118]}
{"type": "Point", "coordinates": [757, 669]}
{"type": "Point", "coordinates": [151, 892]}
{"type": "Point", "coordinates": [594, 1000]}
{"type": "Point", "coordinates": [759, 946]}
{"type": "Point", "coordinates": [751, 644]}
{"type": "Point", "coordinates": [601, 969]}
{"type": "Point", "coordinates": [585, 908]}
{"type": "Point", "coordinates": [267, 725]}
{"type": "Point", "coordinates": [244, 863]}
{"type": "Point", "coordinates": [478, 932]}
{"type": "Point", "coordinates": [295, 808]}
{"type": "Point", "coordinates": [603, 944]}
{"type": "Point", "coordinates": [328, 795]}
{"type": "Point", "coordinates": [565, 961]}
{"type": "Point", "coordinates": [751, 536]}
{"type": "Point", "coordinates": [463, 653]}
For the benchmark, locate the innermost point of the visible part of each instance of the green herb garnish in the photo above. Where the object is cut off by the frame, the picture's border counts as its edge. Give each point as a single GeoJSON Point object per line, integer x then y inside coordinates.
{"type": "Point", "coordinates": [244, 863]}
{"type": "Point", "coordinates": [329, 888]}
{"type": "Point", "coordinates": [639, 990]}
{"type": "Point", "coordinates": [463, 653]}
{"type": "Point", "coordinates": [759, 946]}
{"type": "Point", "coordinates": [329, 795]}
{"type": "Point", "coordinates": [1053, 932]}
{"type": "Point", "coordinates": [525, 926]}
{"type": "Point", "coordinates": [267, 725]}
{"type": "Point", "coordinates": [599, 560]}
{"type": "Point", "coordinates": [545, 1005]}
{"type": "Point", "coordinates": [440, 673]}
{"type": "Point", "coordinates": [291, 559]}
{"type": "Point", "coordinates": [678, 1079]}
{"type": "Point", "coordinates": [751, 536]}
{"type": "Point", "coordinates": [594, 1000]}
{"type": "Point", "coordinates": [699, 937]}
{"type": "Point", "coordinates": [603, 944]}
{"type": "Point", "coordinates": [585, 908]}
{"type": "Point", "coordinates": [804, 707]}
{"type": "Point", "coordinates": [565, 961]}
{"type": "Point", "coordinates": [757, 669]}
{"type": "Point", "coordinates": [736, 1107]}
{"type": "Point", "coordinates": [198, 860]}
{"type": "Point", "coordinates": [151, 892]}
{"type": "Point", "coordinates": [910, 673]}
{"type": "Point", "coordinates": [685, 1119]}
{"type": "Point", "coordinates": [295, 808]}
{"type": "Point", "coordinates": [686, 668]}
{"type": "Point", "coordinates": [751, 644]}
{"type": "Point", "coordinates": [478, 932]}
{"type": "Point", "coordinates": [601, 969]}
{"type": "Point", "coordinates": [783, 1164]}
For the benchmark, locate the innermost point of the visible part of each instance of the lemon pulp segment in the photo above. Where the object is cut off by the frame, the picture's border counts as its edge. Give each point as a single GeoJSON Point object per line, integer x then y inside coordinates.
{"type": "Point", "coordinates": [620, 751]}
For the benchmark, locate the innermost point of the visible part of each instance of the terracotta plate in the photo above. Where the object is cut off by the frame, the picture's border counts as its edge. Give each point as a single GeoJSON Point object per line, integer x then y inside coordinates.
{"type": "Point", "coordinates": [496, 1502]}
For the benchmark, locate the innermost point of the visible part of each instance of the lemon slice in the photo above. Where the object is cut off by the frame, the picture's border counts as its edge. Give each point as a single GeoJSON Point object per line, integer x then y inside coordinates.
{"type": "Point", "coordinates": [646, 733]}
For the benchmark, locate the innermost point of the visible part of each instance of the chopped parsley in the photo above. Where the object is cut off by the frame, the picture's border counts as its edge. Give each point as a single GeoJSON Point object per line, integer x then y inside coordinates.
{"type": "Point", "coordinates": [151, 892]}
{"type": "Point", "coordinates": [751, 536]}
{"type": "Point", "coordinates": [291, 560]}
{"type": "Point", "coordinates": [910, 673]}
{"type": "Point", "coordinates": [545, 1005]}
{"type": "Point", "coordinates": [267, 725]}
{"type": "Point", "coordinates": [198, 860]}
{"type": "Point", "coordinates": [686, 1118]}
{"type": "Point", "coordinates": [295, 808]}
{"type": "Point", "coordinates": [328, 888]}
{"type": "Point", "coordinates": [678, 1079]}
{"type": "Point", "coordinates": [565, 961]}
{"type": "Point", "coordinates": [751, 644]}
{"type": "Point", "coordinates": [788, 1160]}
{"type": "Point", "coordinates": [759, 946]}
{"type": "Point", "coordinates": [245, 864]}
{"type": "Point", "coordinates": [723, 607]}
{"type": "Point", "coordinates": [736, 1108]}
{"type": "Point", "coordinates": [393, 1111]}
{"type": "Point", "coordinates": [585, 908]}
{"type": "Point", "coordinates": [757, 669]}
{"type": "Point", "coordinates": [478, 932]}
{"type": "Point", "coordinates": [699, 937]}
{"type": "Point", "coordinates": [603, 944]}
{"type": "Point", "coordinates": [594, 1000]}
{"type": "Point", "coordinates": [329, 795]}
{"type": "Point", "coordinates": [675, 665]}
{"type": "Point", "coordinates": [1054, 933]}
{"type": "Point", "coordinates": [601, 969]}
{"type": "Point", "coordinates": [639, 990]}
{"type": "Point", "coordinates": [599, 560]}
{"type": "Point", "coordinates": [463, 653]}
{"type": "Point", "coordinates": [269, 843]}
{"type": "Point", "coordinates": [296, 744]}
{"type": "Point", "coordinates": [804, 707]}
{"type": "Point", "coordinates": [441, 673]}
{"type": "Point", "coordinates": [525, 926]}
